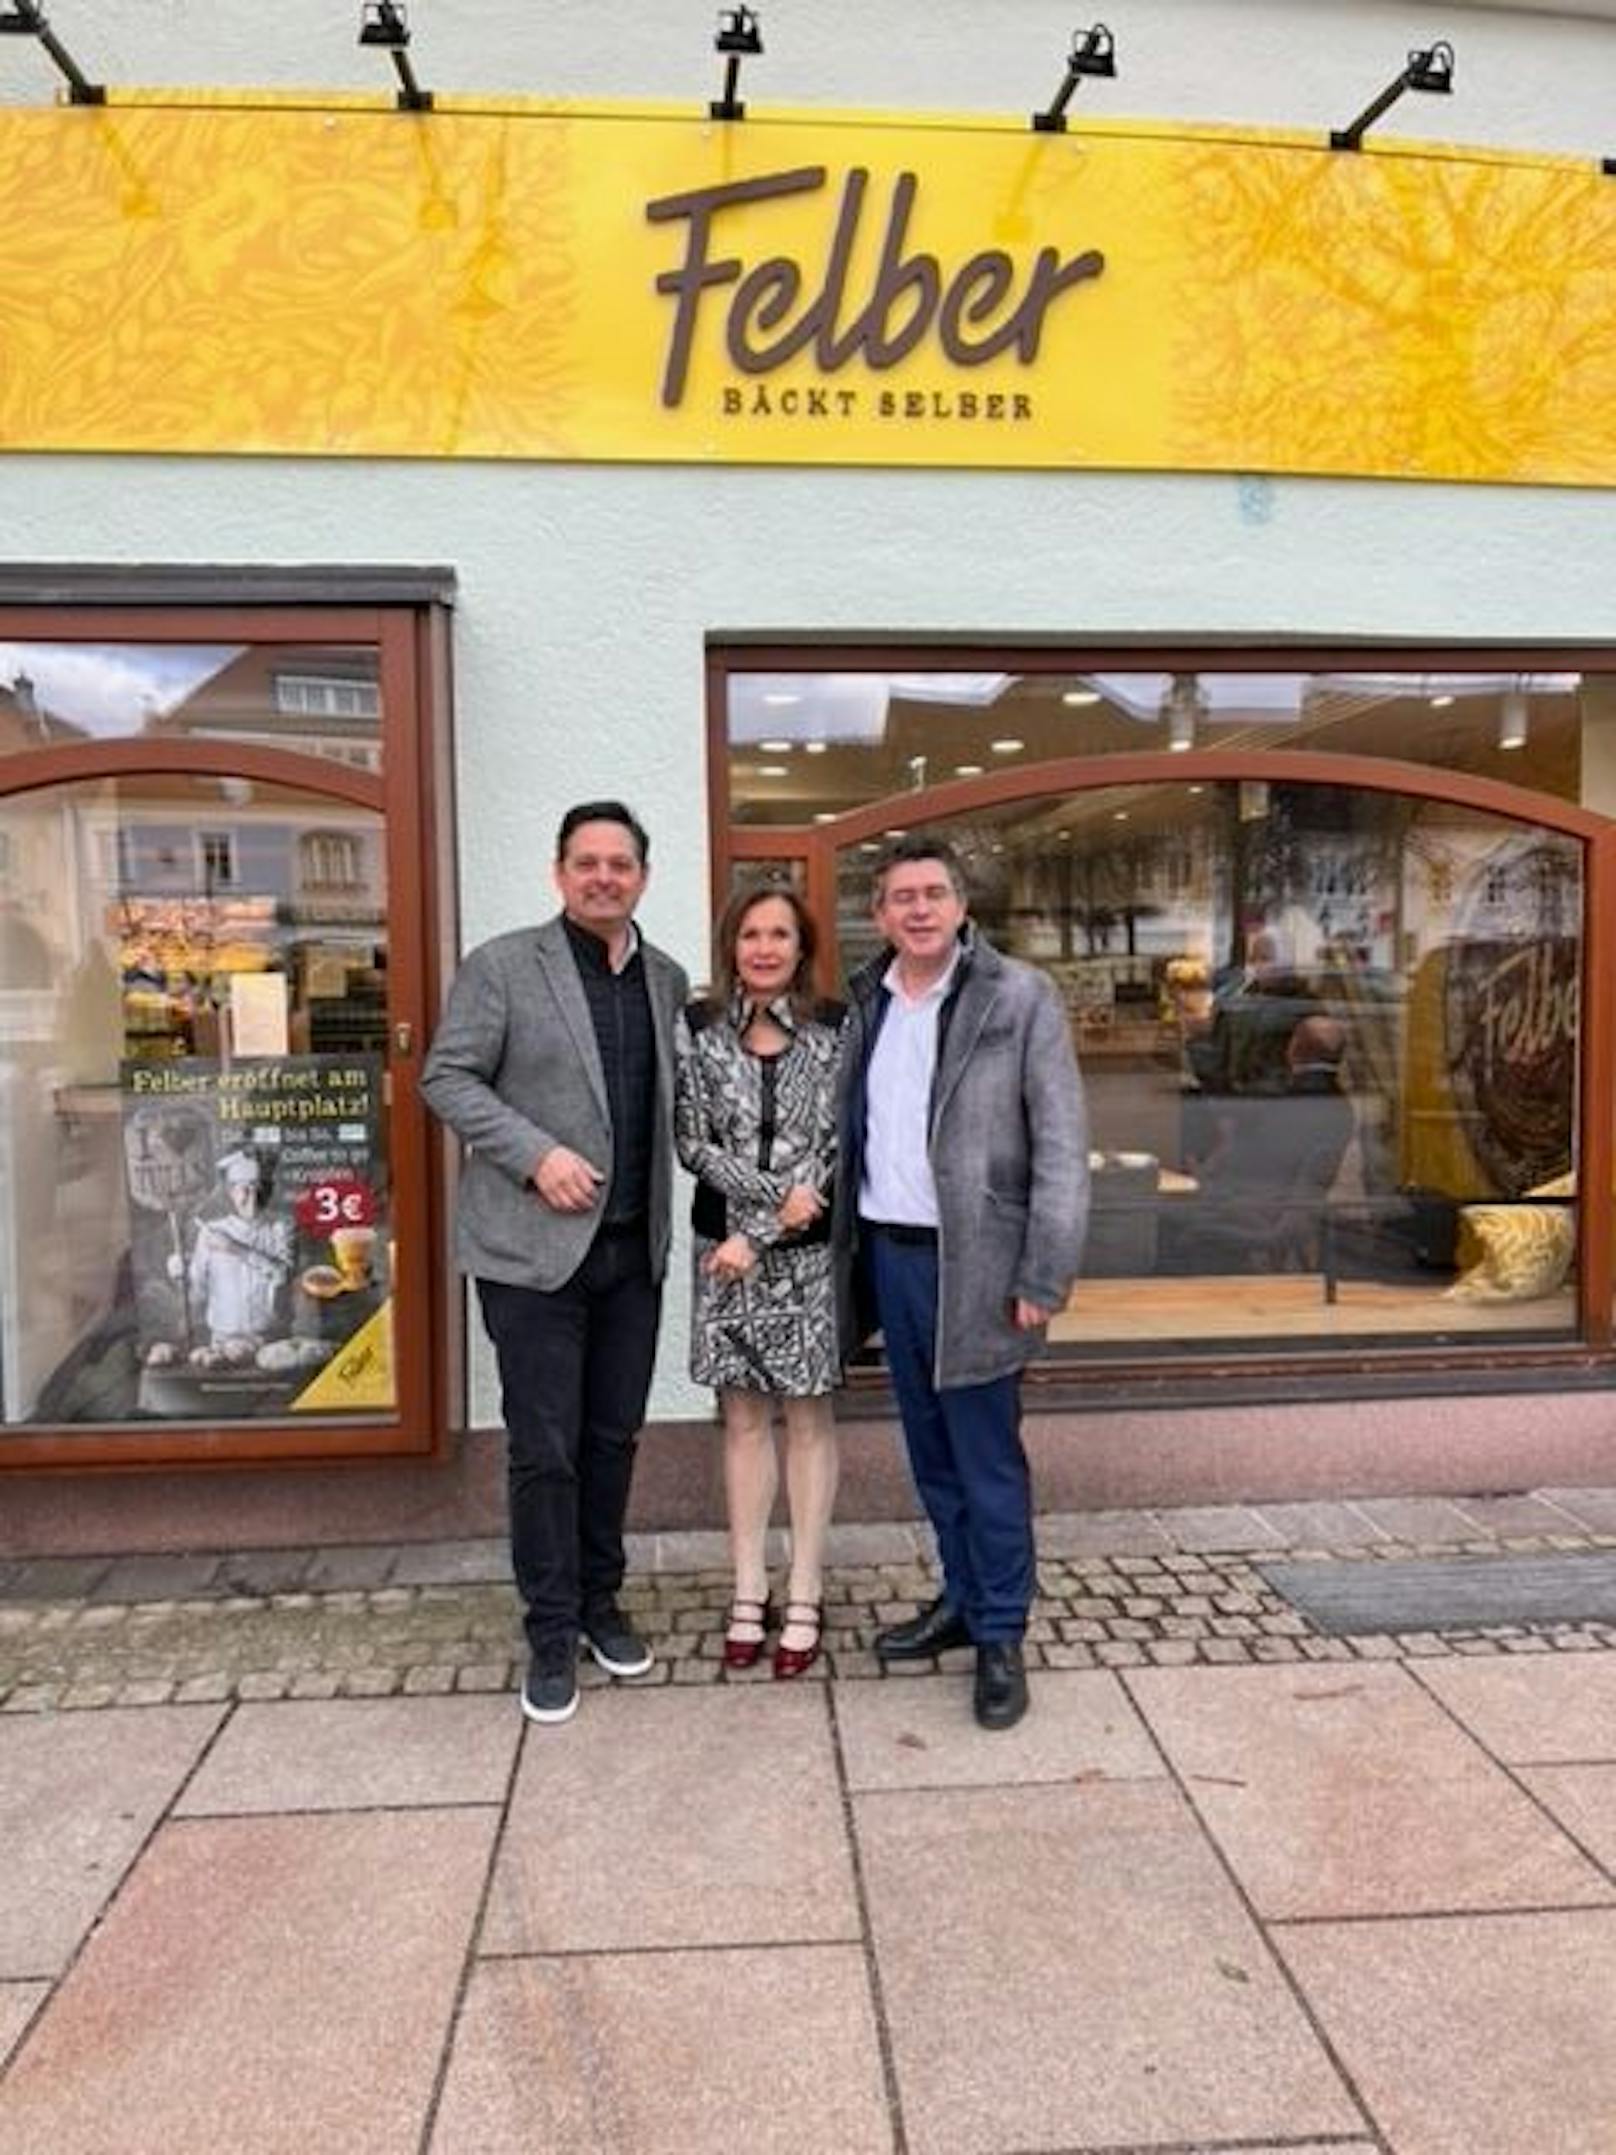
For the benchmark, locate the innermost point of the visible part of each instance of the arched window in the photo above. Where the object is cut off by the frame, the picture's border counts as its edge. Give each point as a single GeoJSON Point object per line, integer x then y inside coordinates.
{"type": "Point", "coordinates": [1329, 939]}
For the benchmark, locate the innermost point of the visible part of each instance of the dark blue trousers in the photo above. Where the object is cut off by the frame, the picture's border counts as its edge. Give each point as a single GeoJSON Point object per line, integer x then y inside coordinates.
{"type": "Point", "coordinates": [965, 1452]}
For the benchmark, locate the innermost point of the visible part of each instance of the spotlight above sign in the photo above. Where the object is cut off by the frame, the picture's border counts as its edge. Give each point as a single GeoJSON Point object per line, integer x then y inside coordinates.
{"type": "Point", "coordinates": [25, 18]}
{"type": "Point", "coordinates": [1093, 52]}
{"type": "Point", "coordinates": [385, 25]}
{"type": "Point", "coordinates": [1430, 70]}
{"type": "Point", "coordinates": [739, 38]}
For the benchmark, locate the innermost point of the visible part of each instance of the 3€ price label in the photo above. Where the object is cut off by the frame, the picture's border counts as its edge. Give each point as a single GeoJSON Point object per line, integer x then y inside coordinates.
{"type": "Point", "coordinates": [339, 1201]}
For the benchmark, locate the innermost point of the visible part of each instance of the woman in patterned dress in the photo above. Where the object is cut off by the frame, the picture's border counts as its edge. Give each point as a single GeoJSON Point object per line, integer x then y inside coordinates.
{"type": "Point", "coordinates": [755, 1122]}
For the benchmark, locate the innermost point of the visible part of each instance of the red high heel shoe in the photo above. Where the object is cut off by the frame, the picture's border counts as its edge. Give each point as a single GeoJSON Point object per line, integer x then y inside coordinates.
{"type": "Point", "coordinates": [745, 1653]}
{"type": "Point", "coordinates": [792, 1660]}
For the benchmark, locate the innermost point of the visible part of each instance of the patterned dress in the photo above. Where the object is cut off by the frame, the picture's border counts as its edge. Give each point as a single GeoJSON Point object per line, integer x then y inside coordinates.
{"type": "Point", "coordinates": [748, 1127]}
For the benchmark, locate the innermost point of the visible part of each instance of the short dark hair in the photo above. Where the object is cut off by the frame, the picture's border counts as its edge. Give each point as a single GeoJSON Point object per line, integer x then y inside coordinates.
{"type": "Point", "coordinates": [730, 922]}
{"type": "Point", "coordinates": [919, 846]}
{"type": "Point", "coordinates": [603, 812]}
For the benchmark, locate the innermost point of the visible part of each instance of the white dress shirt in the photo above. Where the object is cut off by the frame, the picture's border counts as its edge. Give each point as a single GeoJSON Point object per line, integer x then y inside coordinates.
{"type": "Point", "coordinates": [897, 1184]}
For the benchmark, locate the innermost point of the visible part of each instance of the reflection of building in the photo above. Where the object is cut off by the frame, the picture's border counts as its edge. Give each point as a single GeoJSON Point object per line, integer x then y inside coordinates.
{"type": "Point", "coordinates": [316, 701]}
{"type": "Point", "coordinates": [25, 722]}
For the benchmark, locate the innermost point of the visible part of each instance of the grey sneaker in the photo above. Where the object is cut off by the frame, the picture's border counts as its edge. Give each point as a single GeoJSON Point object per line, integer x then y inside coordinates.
{"type": "Point", "coordinates": [550, 1691]}
{"type": "Point", "coordinates": [620, 1651]}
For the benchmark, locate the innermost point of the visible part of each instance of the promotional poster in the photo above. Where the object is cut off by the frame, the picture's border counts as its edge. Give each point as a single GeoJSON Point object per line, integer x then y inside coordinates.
{"type": "Point", "coordinates": [259, 1250]}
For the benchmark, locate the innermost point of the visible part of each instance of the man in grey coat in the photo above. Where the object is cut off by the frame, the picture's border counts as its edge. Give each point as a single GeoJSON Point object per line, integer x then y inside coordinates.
{"type": "Point", "coordinates": [554, 1063]}
{"type": "Point", "coordinates": [964, 1154]}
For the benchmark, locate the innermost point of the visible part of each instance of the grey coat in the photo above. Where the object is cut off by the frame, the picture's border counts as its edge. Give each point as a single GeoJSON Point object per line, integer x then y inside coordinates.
{"type": "Point", "coordinates": [1009, 1151]}
{"type": "Point", "coordinates": [514, 1070]}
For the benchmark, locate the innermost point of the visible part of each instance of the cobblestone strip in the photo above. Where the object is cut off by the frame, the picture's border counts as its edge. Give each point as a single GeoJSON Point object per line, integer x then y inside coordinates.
{"type": "Point", "coordinates": [1177, 1609]}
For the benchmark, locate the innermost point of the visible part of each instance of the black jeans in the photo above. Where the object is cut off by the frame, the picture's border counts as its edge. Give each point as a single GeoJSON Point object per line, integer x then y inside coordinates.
{"type": "Point", "coordinates": [574, 1371]}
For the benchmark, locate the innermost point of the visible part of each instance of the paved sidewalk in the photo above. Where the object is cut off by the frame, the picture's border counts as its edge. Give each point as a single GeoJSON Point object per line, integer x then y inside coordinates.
{"type": "Point", "coordinates": [305, 1881]}
{"type": "Point", "coordinates": [1117, 1590]}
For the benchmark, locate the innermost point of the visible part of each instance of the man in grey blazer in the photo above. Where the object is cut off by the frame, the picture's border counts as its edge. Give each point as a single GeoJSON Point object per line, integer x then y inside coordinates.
{"type": "Point", "coordinates": [554, 1064]}
{"type": "Point", "coordinates": [964, 1196]}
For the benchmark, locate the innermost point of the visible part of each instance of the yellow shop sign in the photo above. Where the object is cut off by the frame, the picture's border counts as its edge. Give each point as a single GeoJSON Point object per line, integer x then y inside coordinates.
{"type": "Point", "coordinates": [302, 276]}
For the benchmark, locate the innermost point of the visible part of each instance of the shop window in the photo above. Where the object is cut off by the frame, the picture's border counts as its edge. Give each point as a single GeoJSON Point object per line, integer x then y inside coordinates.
{"type": "Point", "coordinates": [803, 748]}
{"type": "Point", "coordinates": [214, 980]}
{"type": "Point", "coordinates": [64, 694]}
{"type": "Point", "coordinates": [158, 1043]}
{"type": "Point", "coordinates": [1330, 1031]}
{"type": "Point", "coordinates": [1329, 1054]}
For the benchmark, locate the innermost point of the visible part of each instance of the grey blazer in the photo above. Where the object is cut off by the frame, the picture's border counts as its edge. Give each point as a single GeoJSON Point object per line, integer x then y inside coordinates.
{"type": "Point", "coordinates": [514, 1069]}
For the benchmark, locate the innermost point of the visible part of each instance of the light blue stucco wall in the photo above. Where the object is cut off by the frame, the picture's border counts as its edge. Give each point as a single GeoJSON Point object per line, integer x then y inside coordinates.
{"type": "Point", "coordinates": [1532, 77]}
{"type": "Point", "coordinates": [586, 593]}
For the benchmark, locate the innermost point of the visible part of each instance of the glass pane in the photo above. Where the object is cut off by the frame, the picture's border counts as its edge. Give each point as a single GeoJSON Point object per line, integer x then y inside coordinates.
{"type": "Point", "coordinates": [317, 700]}
{"type": "Point", "coordinates": [1329, 1043]}
{"type": "Point", "coordinates": [805, 748]}
{"type": "Point", "coordinates": [195, 1210]}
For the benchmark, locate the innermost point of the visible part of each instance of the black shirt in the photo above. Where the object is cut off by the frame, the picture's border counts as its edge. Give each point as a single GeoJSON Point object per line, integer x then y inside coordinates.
{"type": "Point", "coordinates": [620, 1007]}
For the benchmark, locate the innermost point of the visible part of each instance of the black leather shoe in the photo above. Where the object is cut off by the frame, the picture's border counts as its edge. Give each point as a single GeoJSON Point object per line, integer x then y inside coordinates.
{"type": "Point", "coordinates": [933, 1631]}
{"type": "Point", "coordinates": [1001, 1685]}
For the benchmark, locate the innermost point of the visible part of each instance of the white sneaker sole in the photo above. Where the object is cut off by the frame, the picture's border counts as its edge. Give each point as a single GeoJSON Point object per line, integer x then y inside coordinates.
{"type": "Point", "coordinates": [549, 1716]}
{"type": "Point", "coordinates": [646, 1662]}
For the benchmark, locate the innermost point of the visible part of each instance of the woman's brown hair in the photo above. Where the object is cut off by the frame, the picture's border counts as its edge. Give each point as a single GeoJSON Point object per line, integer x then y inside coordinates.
{"type": "Point", "coordinates": [730, 922]}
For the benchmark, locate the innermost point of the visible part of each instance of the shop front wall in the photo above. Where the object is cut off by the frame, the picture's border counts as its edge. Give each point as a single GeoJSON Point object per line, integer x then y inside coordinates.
{"type": "Point", "coordinates": [588, 596]}
{"type": "Point", "coordinates": [554, 702]}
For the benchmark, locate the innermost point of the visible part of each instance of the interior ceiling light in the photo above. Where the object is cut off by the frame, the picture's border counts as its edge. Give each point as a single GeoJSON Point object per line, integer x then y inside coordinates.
{"type": "Point", "coordinates": [775, 748]}
{"type": "Point", "coordinates": [1078, 696]}
{"type": "Point", "coordinates": [385, 25]}
{"type": "Point", "coordinates": [738, 39]}
{"type": "Point", "coordinates": [1514, 717]}
{"type": "Point", "coordinates": [814, 748]}
{"type": "Point", "coordinates": [25, 18]}
{"type": "Point", "coordinates": [781, 697]}
{"type": "Point", "coordinates": [1430, 70]}
{"type": "Point", "coordinates": [1441, 703]}
{"type": "Point", "coordinates": [772, 770]}
{"type": "Point", "coordinates": [826, 815]}
{"type": "Point", "coordinates": [1007, 747]}
{"type": "Point", "coordinates": [967, 770]}
{"type": "Point", "coordinates": [1093, 52]}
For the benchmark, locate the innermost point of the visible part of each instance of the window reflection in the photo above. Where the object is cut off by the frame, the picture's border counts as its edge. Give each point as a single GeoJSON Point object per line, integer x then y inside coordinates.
{"type": "Point", "coordinates": [194, 1180]}
{"type": "Point", "coordinates": [807, 747]}
{"type": "Point", "coordinates": [324, 701]}
{"type": "Point", "coordinates": [1329, 1040]}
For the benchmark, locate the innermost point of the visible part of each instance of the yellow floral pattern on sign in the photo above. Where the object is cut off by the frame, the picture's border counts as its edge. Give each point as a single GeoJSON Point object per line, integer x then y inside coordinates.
{"type": "Point", "coordinates": [292, 278]}
{"type": "Point", "coordinates": [1444, 317]}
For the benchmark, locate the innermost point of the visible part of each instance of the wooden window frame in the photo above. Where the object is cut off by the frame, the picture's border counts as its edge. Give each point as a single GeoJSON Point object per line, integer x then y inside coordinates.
{"type": "Point", "coordinates": [403, 617]}
{"type": "Point", "coordinates": [812, 848]}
